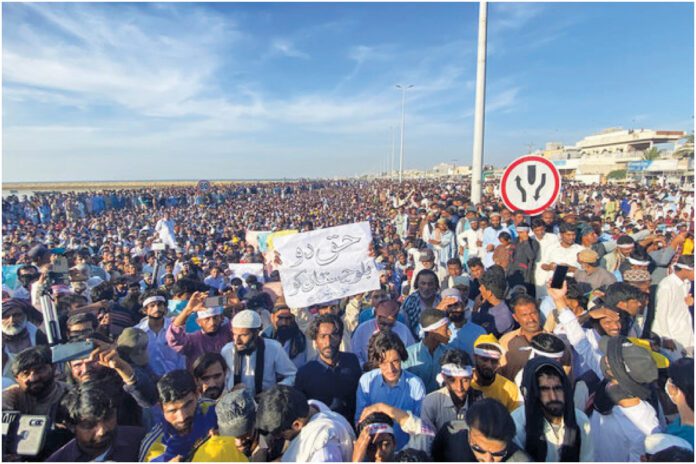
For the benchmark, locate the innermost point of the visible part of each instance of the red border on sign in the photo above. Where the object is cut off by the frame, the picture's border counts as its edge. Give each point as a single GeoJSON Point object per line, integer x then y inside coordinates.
{"type": "Point", "coordinates": [556, 178]}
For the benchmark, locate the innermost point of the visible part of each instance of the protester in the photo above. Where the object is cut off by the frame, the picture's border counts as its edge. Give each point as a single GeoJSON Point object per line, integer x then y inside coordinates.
{"type": "Point", "coordinates": [312, 430]}
{"type": "Point", "coordinates": [333, 377]}
{"type": "Point", "coordinates": [91, 416]}
{"type": "Point", "coordinates": [548, 426]}
{"type": "Point", "coordinates": [256, 362]}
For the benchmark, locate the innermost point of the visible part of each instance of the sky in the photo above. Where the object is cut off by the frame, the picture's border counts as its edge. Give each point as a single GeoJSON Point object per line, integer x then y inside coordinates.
{"type": "Point", "coordinates": [99, 91]}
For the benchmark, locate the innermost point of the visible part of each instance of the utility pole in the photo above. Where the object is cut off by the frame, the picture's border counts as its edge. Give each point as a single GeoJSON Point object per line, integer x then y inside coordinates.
{"type": "Point", "coordinates": [479, 113]}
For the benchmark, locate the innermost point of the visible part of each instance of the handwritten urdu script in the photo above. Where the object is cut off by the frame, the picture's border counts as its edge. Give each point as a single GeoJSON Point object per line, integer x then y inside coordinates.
{"type": "Point", "coordinates": [326, 264]}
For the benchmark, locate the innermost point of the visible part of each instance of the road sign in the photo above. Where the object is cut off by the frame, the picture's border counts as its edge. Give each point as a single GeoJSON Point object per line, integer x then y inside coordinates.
{"type": "Point", "coordinates": [530, 184]}
{"type": "Point", "coordinates": [203, 185]}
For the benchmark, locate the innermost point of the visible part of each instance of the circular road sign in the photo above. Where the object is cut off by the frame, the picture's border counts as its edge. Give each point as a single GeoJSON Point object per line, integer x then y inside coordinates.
{"type": "Point", "coordinates": [203, 185]}
{"type": "Point", "coordinates": [531, 184]}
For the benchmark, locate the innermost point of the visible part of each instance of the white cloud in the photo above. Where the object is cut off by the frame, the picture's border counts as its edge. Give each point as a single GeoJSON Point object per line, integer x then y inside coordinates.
{"type": "Point", "coordinates": [287, 48]}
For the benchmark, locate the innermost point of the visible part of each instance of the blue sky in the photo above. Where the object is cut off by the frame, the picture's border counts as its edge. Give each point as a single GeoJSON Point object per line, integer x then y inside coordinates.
{"type": "Point", "coordinates": [224, 91]}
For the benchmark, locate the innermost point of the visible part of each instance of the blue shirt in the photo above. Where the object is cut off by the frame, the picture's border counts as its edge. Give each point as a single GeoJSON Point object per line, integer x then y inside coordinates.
{"type": "Point", "coordinates": [406, 395]}
{"type": "Point", "coordinates": [682, 431]}
{"type": "Point", "coordinates": [426, 366]}
{"type": "Point", "coordinates": [163, 359]}
{"type": "Point", "coordinates": [466, 336]}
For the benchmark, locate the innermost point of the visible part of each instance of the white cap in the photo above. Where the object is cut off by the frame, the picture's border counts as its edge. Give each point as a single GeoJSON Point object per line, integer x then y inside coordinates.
{"type": "Point", "coordinates": [246, 319]}
{"type": "Point", "coordinates": [661, 441]}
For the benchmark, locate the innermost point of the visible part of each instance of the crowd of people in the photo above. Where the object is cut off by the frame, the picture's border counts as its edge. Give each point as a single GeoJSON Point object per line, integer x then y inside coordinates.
{"type": "Point", "coordinates": [465, 353]}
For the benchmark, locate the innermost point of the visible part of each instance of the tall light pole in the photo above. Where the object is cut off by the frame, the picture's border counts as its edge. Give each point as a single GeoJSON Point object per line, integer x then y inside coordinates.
{"type": "Point", "coordinates": [477, 165]}
{"type": "Point", "coordinates": [393, 134]}
{"type": "Point", "coordinates": [403, 120]}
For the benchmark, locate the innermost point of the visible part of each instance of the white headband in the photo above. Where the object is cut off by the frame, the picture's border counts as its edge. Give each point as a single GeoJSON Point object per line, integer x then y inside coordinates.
{"type": "Point", "coordinates": [453, 370]}
{"type": "Point", "coordinates": [684, 266]}
{"type": "Point", "coordinates": [545, 354]}
{"type": "Point", "coordinates": [379, 427]}
{"type": "Point", "coordinates": [494, 354]}
{"type": "Point", "coordinates": [436, 325]}
{"type": "Point", "coordinates": [637, 262]}
{"type": "Point", "coordinates": [210, 312]}
{"type": "Point", "coordinates": [625, 245]}
{"type": "Point", "coordinates": [152, 299]}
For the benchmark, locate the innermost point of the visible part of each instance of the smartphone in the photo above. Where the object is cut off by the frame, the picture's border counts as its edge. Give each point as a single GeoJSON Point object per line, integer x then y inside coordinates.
{"type": "Point", "coordinates": [214, 301]}
{"type": "Point", "coordinates": [559, 275]}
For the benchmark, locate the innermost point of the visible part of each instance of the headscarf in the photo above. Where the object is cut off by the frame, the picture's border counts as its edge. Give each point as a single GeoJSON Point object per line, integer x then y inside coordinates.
{"type": "Point", "coordinates": [535, 443]}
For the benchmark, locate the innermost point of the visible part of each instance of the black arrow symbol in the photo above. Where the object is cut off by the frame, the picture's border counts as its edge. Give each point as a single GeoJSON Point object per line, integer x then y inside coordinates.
{"type": "Point", "coordinates": [541, 185]}
{"type": "Point", "coordinates": [518, 181]}
{"type": "Point", "coordinates": [531, 174]}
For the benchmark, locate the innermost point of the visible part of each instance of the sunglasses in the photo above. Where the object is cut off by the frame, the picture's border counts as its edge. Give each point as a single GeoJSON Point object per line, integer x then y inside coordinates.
{"type": "Point", "coordinates": [479, 450]}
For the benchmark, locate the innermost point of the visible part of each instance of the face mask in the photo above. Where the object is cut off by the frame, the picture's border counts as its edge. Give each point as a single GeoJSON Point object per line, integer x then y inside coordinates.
{"type": "Point", "coordinates": [668, 393]}
{"type": "Point", "coordinates": [14, 329]}
{"type": "Point", "coordinates": [176, 306]}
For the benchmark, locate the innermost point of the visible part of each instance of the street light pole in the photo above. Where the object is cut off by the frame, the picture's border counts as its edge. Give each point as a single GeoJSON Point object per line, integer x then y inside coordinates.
{"type": "Point", "coordinates": [403, 120]}
{"type": "Point", "coordinates": [477, 164]}
{"type": "Point", "coordinates": [391, 172]}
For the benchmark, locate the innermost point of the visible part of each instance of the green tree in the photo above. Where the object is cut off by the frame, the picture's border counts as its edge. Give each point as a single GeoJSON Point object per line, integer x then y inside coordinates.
{"type": "Point", "coordinates": [687, 149]}
{"type": "Point", "coordinates": [652, 153]}
{"type": "Point", "coordinates": [617, 175]}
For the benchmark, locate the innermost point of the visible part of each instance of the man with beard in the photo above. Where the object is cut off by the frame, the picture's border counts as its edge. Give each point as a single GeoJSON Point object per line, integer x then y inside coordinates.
{"type": "Point", "coordinates": [91, 416]}
{"type": "Point", "coordinates": [464, 331]}
{"type": "Point", "coordinates": [525, 254]}
{"type": "Point", "coordinates": [155, 324]}
{"type": "Point", "coordinates": [526, 314]}
{"type": "Point", "coordinates": [257, 362]}
{"type": "Point", "coordinates": [18, 333]}
{"type": "Point", "coordinates": [487, 354]}
{"type": "Point", "coordinates": [37, 390]}
{"type": "Point", "coordinates": [490, 238]}
{"type": "Point", "coordinates": [386, 313]}
{"type": "Point", "coordinates": [333, 377]}
{"type": "Point", "coordinates": [426, 285]}
{"type": "Point", "coordinates": [285, 331]}
{"type": "Point", "coordinates": [209, 371]}
{"type": "Point", "coordinates": [548, 426]}
{"type": "Point", "coordinates": [451, 401]}
{"type": "Point", "coordinates": [314, 433]}
{"type": "Point", "coordinates": [186, 424]}
{"type": "Point", "coordinates": [211, 338]}
{"type": "Point", "coordinates": [424, 356]}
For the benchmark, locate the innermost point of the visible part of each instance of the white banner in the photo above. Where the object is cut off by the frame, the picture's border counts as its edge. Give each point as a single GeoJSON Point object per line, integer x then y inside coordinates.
{"type": "Point", "coordinates": [243, 270]}
{"type": "Point", "coordinates": [326, 264]}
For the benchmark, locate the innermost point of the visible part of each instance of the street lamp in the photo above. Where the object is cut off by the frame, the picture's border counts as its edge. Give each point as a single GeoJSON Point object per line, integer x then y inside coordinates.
{"type": "Point", "coordinates": [403, 120]}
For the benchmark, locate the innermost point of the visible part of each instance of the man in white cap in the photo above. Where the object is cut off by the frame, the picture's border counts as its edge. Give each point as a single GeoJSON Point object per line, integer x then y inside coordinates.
{"type": "Point", "coordinates": [672, 316]}
{"type": "Point", "coordinates": [253, 361]}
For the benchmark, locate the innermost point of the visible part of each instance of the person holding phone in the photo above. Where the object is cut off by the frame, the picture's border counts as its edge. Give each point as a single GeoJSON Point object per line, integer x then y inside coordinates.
{"type": "Point", "coordinates": [565, 252]}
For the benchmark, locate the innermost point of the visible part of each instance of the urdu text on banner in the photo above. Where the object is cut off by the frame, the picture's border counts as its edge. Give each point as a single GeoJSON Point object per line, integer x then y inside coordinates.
{"type": "Point", "coordinates": [326, 264]}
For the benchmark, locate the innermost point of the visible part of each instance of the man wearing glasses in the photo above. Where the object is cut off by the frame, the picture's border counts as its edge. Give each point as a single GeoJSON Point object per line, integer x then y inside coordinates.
{"type": "Point", "coordinates": [486, 435]}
